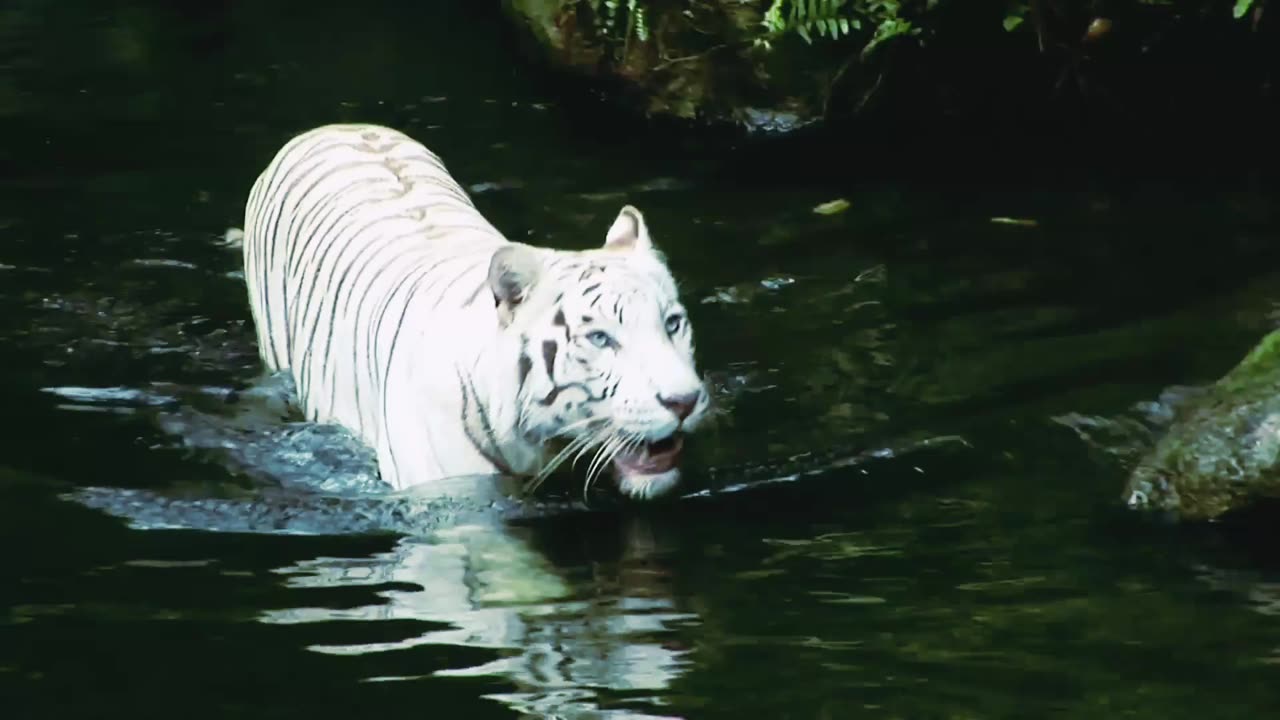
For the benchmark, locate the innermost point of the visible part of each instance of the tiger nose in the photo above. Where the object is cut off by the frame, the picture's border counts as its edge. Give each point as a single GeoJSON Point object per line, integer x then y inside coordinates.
{"type": "Point", "coordinates": [681, 405]}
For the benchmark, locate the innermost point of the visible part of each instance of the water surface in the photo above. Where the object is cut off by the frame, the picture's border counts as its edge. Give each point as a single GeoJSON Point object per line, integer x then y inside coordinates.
{"type": "Point", "coordinates": [978, 386]}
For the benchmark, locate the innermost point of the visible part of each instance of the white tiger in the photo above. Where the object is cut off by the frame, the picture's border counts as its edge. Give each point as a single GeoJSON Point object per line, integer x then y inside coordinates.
{"type": "Point", "coordinates": [406, 317]}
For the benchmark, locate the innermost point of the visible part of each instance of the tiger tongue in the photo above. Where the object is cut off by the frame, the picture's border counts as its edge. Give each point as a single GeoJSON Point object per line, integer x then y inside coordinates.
{"type": "Point", "coordinates": [652, 458]}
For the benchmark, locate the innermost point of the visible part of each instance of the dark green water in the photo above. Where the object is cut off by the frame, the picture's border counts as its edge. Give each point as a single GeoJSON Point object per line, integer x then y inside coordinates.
{"type": "Point", "coordinates": [989, 577]}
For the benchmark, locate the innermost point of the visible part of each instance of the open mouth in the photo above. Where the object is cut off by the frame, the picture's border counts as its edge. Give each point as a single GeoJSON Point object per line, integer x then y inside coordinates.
{"type": "Point", "coordinates": [651, 458]}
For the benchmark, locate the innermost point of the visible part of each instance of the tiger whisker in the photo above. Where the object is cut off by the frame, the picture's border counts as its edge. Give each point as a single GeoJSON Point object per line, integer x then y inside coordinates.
{"type": "Point", "coordinates": [598, 439]}
{"type": "Point", "coordinates": [600, 462]}
{"type": "Point", "coordinates": [619, 444]}
{"type": "Point", "coordinates": [579, 443]}
{"type": "Point", "coordinates": [555, 462]}
{"type": "Point", "coordinates": [604, 455]}
{"type": "Point", "coordinates": [599, 454]}
{"type": "Point", "coordinates": [580, 423]}
{"type": "Point", "coordinates": [576, 443]}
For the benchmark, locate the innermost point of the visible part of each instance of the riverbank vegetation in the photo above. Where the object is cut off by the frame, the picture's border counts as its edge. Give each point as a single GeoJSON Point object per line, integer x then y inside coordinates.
{"type": "Point", "coordinates": [1184, 71]}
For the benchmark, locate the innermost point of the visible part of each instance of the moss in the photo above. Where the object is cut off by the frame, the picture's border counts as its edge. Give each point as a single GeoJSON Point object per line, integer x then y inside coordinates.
{"type": "Point", "coordinates": [1223, 449]}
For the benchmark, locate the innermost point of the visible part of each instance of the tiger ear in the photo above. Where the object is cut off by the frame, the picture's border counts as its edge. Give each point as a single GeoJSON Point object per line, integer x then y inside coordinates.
{"type": "Point", "coordinates": [513, 270]}
{"type": "Point", "coordinates": [628, 232]}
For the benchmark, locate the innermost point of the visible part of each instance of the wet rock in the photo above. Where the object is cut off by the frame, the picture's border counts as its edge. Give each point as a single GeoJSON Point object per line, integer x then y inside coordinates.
{"type": "Point", "coordinates": [1222, 451]}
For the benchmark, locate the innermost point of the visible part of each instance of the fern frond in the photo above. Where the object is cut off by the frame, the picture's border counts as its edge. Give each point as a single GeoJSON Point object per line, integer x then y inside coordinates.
{"type": "Point", "coordinates": [629, 16]}
{"type": "Point", "coordinates": [835, 19]}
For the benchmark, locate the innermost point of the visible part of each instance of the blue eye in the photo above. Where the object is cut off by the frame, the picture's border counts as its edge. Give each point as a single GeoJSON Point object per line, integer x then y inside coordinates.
{"type": "Point", "coordinates": [599, 338]}
{"type": "Point", "coordinates": [674, 323]}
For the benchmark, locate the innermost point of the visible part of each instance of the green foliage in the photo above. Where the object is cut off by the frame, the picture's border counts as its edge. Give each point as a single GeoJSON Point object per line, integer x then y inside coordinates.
{"type": "Point", "coordinates": [630, 15]}
{"type": "Point", "coordinates": [807, 17]}
{"type": "Point", "coordinates": [818, 19]}
{"type": "Point", "coordinates": [834, 19]}
{"type": "Point", "coordinates": [1019, 9]}
{"type": "Point", "coordinates": [877, 20]}
{"type": "Point", "coordinates": [1016, 14]}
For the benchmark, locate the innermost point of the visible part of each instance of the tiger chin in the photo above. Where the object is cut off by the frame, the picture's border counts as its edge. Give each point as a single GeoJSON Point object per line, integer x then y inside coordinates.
{"type": "Point", "coordinates": [404, 316]}
{"type": "Point", "coordinates": [641, 477]}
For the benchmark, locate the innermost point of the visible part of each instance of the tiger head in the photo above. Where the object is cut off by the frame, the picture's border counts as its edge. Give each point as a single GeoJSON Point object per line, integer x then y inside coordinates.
{"type": "Point", "coordinates": [605, 364]}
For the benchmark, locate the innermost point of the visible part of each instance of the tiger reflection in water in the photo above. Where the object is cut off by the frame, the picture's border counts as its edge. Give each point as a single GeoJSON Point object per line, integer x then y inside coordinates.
{"type": "Point", "coordinates": [495, 590]}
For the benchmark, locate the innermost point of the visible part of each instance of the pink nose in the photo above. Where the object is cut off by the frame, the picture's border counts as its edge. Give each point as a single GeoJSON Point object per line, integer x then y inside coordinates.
{"type": "Point", "coordinates": [681, 405]}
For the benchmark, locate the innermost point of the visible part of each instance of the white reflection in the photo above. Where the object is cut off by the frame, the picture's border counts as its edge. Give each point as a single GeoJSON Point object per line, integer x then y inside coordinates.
{"type": "Point", "coordinates": [493, 590]}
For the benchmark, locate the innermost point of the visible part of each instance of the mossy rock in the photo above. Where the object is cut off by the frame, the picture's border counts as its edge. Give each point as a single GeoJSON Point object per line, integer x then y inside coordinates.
{"type": "Point", "coordinates": [1222, 451]}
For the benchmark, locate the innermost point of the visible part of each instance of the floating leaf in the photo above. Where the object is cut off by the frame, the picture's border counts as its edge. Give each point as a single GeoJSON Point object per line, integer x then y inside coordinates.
{"type": "Point", "coordinates": [760, 574]}
{"type": "Point", "coordinates": [833, 207]}
{"type": "Point", "coordinates": [1242, 7]}
{"type": "Point", "coordinates": [854, 600]}
{"type": "Point", "coordinates": [1024, 222]}
{"type": "Point", "coordinates": [1011, 22]}
{"type": "Point", "coordinates": [1097, 29]}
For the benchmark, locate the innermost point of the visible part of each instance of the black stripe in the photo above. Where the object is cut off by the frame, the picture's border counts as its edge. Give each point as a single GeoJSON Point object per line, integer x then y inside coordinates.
{"type": "Point", "coordinates": [555, 392]}
{"type": "Point", "coordinates": [287, 176]}
{"type": "Point", "coordinates": [386, 372]}
{"type": "Point", "coordinates": [522, 369]}
{"type": "Point", "coordinates": [259, 273]}
{"type": "Point", "coordinates": [559, 320]}
{"type": "Point", "coordinates": [332, 238]}
{"type": "Point", "coordinates": [303, 320]}
{"type": "Point", "coordinates": [323, 204]}
{"type": "Point", "coordinates": [476, 295]}
{"type": "Point", "coordinates": [382, 316]}
{"type": "Point", "coordinates": [456, 192]}
{"type": "Point", "coordinates": [549, 348]}
{"type": "Point", "coordinates": [468, 392]}
{"type": "Point", "coordinates": [256, 279]}
{"type": "Point", "coordinates": [318, 174]}
{"type": "Point", "coordinates": [417, 276]}
{"type": "Point", "coordinates": [458, 277]}
{"type": "Point", "coordinates": [363, 335]}
{"type": "Point", "coordinates": [306, 320]}
{"type": "Point", "coordinates": [278, 174]}
{"type": "Point", "coordinates": [359, 265]}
